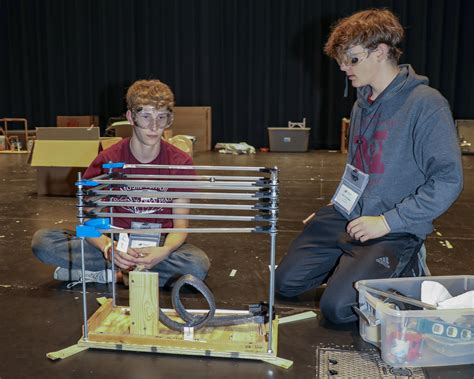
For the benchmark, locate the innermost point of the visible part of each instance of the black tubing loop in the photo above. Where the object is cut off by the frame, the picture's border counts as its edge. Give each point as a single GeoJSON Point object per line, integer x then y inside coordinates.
{"type": "Point", "coordinates": [191, 321]}
{"type": "Point", "coordinates": [199, 321]}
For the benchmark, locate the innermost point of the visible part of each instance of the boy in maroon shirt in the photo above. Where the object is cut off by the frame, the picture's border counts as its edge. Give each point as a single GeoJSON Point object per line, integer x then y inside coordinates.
{"type": "Point", "coordinates": [150, 112]}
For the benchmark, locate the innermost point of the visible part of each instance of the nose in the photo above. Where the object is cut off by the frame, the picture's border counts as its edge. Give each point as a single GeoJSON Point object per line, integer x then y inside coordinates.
{"type": "Point", "coordinates": [344, 67]}
{"type": "Point", "coordinates": [154, 125]}
{"type": "Point", "coordinates": [157, 123]}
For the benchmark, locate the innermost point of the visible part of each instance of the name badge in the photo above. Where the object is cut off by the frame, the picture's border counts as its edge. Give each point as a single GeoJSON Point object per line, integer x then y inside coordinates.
{"type": "Point", "coordinates": [350, 189]}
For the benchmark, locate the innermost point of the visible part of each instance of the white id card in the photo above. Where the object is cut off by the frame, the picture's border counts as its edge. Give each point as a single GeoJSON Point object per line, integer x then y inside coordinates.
{"type": "Point", "coordinates": [350, 189]}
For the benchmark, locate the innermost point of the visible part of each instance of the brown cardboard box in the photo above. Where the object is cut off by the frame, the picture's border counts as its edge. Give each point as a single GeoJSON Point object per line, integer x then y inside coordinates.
{"type": "Point", "coordinates": [196, 122]}
{"type": "Point", "coordinates": [77, 121]}
{"type": "Point", "coordinates": [60, 153]}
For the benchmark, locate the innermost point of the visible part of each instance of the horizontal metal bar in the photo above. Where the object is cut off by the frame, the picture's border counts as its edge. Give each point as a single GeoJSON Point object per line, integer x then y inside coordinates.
{"type": "Point", "coordinates": [198, 177]}
{"type": "Point", "coordinates": [184, 184]}
{"type": "Point", "coordinates": [186, 167]}
{"type": "Point", "coordinates": [84, 188]}
{"type": "Point", "coordinates": [177, 216]}
{"type": "Point", "coordinates": [185, 195]}
{"type": "Point", "coordinates": [239, 207]}
{"type": "Point", "coordinates": [103, 176]}
{"type": "Point", "coordinates": [186, 230]}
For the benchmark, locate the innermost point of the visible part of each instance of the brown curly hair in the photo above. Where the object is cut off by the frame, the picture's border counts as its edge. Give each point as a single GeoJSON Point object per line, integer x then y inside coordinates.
{"type": "Point", "coordinates": [368, 28]}
{"type": "Point", "coordinates": [149, 92]}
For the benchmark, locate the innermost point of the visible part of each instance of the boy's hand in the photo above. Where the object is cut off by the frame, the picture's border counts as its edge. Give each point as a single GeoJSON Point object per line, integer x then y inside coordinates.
{"type": "Point", "coordinates": [368, 227]}
{"type": "Point", "coordinates": [149, 257]}
{"type": "Point", "coordinates": [125, 261]}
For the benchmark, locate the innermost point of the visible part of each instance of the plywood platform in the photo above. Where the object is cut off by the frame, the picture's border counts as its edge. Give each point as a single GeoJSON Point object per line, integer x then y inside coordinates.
{"type": "Point", "coordinates": [109, 328]}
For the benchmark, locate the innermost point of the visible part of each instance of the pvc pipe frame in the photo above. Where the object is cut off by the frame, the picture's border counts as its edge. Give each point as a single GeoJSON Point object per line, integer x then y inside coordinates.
{"type": "Point", "coordinates": [214, 182]}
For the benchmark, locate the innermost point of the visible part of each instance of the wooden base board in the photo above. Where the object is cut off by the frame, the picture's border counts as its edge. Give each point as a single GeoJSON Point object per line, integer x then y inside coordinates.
{"type": "Point", "coordinates": [109, 328]}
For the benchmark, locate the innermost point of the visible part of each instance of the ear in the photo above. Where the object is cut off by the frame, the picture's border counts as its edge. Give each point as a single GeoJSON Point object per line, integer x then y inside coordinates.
{"type": "Point", "coordinates": [382, 52]}
{"type": "Point", "coordinates": [129, 117]}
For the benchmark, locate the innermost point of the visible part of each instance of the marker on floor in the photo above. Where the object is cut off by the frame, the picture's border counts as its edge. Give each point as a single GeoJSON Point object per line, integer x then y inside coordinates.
{"type": "Point", "coordinates": [448, 244]}
{"type": "Point", "coordinates": [232, 273]}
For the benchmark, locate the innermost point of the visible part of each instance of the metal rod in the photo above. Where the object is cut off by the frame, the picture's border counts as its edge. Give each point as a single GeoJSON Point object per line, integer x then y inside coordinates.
{"type": "Point", "coordinates": [187, 230]}
{"type": "Point", "coordinates": [84, 296]}
{"type": "Point", "coordinates": [102, 176]}
{"type": "Point", "coordinates": [112, 250]}
{"type": "Point", "coordinates": [139, 183]}
{"type": "Point", "coordinates": [186, 167]}
{"type": "Point", "coordinates": [200, 177]}
{"type": "Point", "coordinates": [114, 279]}
{"type": "Point", "coordinates": [80, 200]}
{"type": "Point", "coordinates": [271, 293]}
{"type": "Point", "coordinates": [273, 234]}
{"type": "Point", "coordinates": [186, 195]}
{"type": "Point", "coordinates": [239, 207]}
{"type": "Point", "coordinates": [181, 216]}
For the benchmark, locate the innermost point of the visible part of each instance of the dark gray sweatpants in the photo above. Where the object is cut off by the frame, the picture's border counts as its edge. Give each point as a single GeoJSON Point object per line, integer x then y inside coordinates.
{"type": "Point", "coordinates": [324, 246]}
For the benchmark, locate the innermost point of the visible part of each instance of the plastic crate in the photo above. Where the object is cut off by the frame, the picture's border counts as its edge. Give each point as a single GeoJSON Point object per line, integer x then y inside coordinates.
{"type": "Point", "coordinates": [417, 338]}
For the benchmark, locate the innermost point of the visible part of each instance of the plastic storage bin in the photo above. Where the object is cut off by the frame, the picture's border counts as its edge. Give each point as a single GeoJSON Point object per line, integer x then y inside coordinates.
{"type": "Point", "coordinates": [289, 139]}
{"type": "Point", "coordinates": [417, 338]}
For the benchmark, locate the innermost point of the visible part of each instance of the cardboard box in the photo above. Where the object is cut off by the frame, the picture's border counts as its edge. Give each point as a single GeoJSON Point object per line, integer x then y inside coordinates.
{"type": "Point", "coordinates": [289, 139]}
{"type": "Point", "coordinates": [60, 153]}
{"type": "Point", "coordinates": [196, 122]}
{"type": "Point", "coordinates": [77, 121]}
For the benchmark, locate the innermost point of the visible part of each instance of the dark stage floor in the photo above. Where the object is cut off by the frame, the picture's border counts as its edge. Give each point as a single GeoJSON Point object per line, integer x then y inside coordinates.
{"type": "Point", "coordinates": [40, 315]}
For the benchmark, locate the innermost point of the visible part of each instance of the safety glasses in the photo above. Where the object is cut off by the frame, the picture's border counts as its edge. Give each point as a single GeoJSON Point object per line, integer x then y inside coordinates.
{"type": "Point", "coordinates": [354, 58]}
{"type": "Point", "coordinates": [148, 117]}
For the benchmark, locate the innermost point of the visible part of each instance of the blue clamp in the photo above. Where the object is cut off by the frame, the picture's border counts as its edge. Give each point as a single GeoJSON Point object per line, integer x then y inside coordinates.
{"type": "Point", "coordinates": [113, 165]}
{"type": "Point", "coordinates": [86, 183]}
{"type": "Point", "coordinates": [89, 229]}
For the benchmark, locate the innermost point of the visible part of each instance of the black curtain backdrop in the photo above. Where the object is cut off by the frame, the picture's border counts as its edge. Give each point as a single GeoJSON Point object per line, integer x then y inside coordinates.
{"type": "Point", "coordinates": [257, 63]}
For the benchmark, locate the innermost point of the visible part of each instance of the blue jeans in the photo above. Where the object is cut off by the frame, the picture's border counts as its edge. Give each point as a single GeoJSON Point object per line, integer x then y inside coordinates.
{"type": "Point", "coordinates": [60, 247]}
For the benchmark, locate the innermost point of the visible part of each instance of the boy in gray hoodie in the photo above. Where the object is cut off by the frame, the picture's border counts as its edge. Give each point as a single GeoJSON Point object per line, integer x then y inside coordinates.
{"type": "Point", "coordinates": [403, 171]}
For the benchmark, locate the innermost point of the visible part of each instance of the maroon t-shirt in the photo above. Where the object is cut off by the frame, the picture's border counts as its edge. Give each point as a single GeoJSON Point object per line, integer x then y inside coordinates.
{"type": "Point", "coordinates": [120, 152]}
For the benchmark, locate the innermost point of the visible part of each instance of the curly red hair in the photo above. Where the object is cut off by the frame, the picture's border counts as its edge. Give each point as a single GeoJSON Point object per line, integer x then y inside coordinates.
{"type": "Point", "coordinates": [149, 92]}
{"type": "Point", "coordinates": [368, 28]}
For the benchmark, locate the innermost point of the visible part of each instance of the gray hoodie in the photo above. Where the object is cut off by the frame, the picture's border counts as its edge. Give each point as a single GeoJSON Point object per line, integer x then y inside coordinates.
{"type": "Point", "coordinates": [407, 142]}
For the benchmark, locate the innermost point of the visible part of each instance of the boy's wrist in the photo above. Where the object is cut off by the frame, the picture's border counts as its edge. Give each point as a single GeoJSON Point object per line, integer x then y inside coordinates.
{"type": "Point", "coordinates": [106, 248]}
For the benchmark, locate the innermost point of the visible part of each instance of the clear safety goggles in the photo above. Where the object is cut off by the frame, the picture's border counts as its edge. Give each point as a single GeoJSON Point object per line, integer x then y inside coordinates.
{"type": "Point", "coordinates": [354, 58]}
{"type": "Point", "coordinates": [147, 117]}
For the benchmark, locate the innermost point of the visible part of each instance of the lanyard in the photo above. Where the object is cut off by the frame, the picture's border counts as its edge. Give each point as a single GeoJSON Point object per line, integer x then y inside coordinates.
{"type": "Point", "coordinates": [361, 135]}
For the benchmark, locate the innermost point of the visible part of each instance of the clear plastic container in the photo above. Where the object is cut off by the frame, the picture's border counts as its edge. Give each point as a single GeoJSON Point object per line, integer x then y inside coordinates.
{"type": "Point", "coordinates": [422, 337]}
